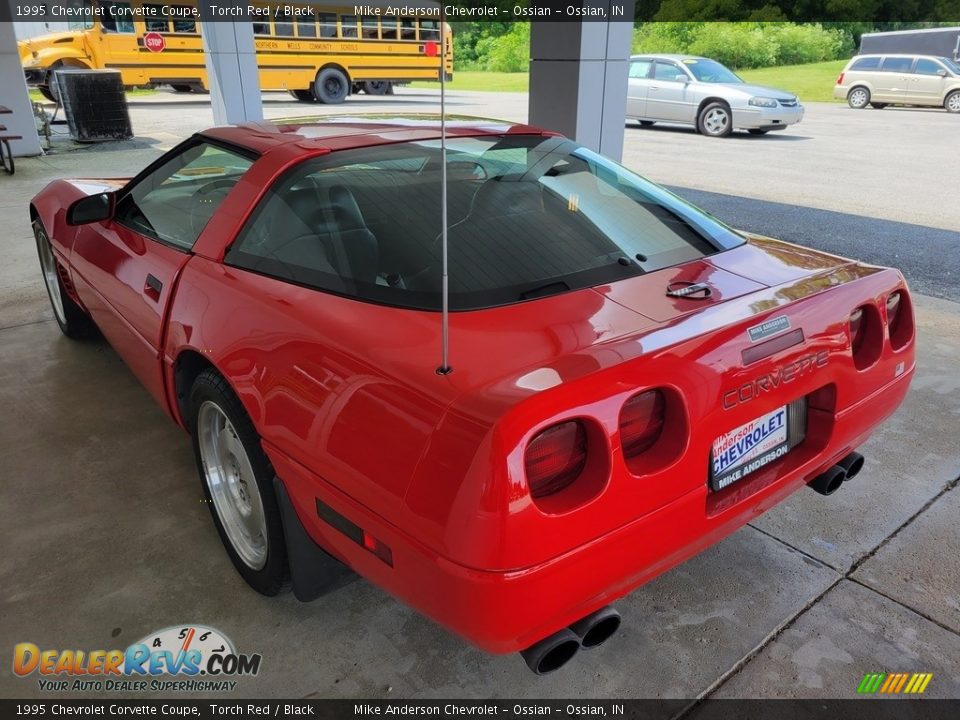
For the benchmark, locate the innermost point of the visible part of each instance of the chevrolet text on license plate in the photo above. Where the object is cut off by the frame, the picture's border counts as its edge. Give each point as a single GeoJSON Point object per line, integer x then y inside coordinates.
{"type": "Point", "coordinates": [749, 447]}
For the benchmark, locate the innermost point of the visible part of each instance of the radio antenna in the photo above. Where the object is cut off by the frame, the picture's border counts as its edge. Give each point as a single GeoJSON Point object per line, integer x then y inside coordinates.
{"type": "Point", "coordinates": [444, 368]}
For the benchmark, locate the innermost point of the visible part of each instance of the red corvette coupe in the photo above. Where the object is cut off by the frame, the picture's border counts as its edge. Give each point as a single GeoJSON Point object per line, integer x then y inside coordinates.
{"type": "Point", "coordinates": [630, 380]}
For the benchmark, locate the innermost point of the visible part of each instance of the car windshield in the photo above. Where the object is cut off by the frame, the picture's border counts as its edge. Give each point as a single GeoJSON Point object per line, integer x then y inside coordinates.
{"type": "Point", "coordinates": [951, 65]}
{"type": "Point", "coordinates": [528, 216]}
{"type": "Point", "coordinates": [710, 71]}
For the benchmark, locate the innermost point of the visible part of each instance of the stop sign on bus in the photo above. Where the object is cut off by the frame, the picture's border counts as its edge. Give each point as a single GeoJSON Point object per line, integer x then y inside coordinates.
{"type": "Point", "coordinates": [154, 42]}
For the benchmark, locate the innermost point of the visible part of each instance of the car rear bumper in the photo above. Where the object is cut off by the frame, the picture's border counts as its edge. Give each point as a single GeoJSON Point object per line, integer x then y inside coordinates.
{"type": "Point", "coordinates": [506, 611]}
{"type": "Point", "coordinates": [766, 118]}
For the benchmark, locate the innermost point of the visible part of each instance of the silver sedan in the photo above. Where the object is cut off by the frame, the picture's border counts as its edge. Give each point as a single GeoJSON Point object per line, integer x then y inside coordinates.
{"type": "Point", "coordinates": [703, 93]}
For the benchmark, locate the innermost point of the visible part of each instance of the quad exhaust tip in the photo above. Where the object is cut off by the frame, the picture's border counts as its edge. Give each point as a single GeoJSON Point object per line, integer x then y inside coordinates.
{"type": "Point", "coordinates": [555, 651]}
{"type": "Point", "coordinates": [829, 482]}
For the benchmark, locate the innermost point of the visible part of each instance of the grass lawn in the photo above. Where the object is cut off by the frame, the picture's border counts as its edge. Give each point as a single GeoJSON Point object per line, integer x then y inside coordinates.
{"type": "Point", "coordinates": [478, 80]}
{"type": "Point", "coordinates": [811, 83]}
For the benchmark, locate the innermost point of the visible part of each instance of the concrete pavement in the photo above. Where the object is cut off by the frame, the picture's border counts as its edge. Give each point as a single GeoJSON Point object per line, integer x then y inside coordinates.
{"type": "Point", "coordinates": [107, 539]}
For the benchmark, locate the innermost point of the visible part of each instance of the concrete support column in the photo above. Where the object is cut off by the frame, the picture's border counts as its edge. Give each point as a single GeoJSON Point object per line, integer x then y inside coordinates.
{"type": "Point", "coordinates": [231, 70]}
{"type": "Point", "coordinates": [578, 78]}
{"type": "Point", "coordinates": [13, 94]}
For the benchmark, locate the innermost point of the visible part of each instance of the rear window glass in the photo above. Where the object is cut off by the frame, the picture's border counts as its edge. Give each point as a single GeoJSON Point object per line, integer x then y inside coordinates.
{"type": "Point", "coordinates": [897, 64]}
{"type": "Point", "coordinates": [528, 216]}
{"type": "Point", "coordinates": [867, 63]}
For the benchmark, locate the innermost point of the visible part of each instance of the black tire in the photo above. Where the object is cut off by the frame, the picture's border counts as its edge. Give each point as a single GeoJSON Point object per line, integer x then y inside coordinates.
{"type": "Point", "coordinates": [878, 106]}
{"type": "Point", "coordinates": [274, 577]}
{"type": "Point", "coordinates": [331, 86]}
{"type": "Point", "coordinates": [47, 93]}
{"type": "Point", "coordinates": [757, 131]}
{"type": "Point", "coordinates": [710, 122]}
{"type": "Point", "coordinates": [858, 97]}
{"type": "Point", "coordinates": [182, 88]}
{"type": "Point", "coordinates": [73, 322]}
{"type": "Point", "coordinates": [646, 123]}
{"type": "Point", "coordinates": [305, 96]}
{"type": "Point", "coordinates": [6, 158]}
{"type": "Point", "coordinates": [951, 102]}
{"type": "Point", "coordinates": [376, 87]}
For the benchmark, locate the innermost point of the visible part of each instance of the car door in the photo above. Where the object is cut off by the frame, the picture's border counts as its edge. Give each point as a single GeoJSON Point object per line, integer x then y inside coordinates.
{"type": "Point", "coordinates": [126, 267]}
{"type": "Point", "coordinates": [893, 80]}
{"type": "Point", "coordinates": [638, 84]}
{"type": "Point", "coordinates": [668, 96]}
{"type": "Point", "coordinates": [928, 82]}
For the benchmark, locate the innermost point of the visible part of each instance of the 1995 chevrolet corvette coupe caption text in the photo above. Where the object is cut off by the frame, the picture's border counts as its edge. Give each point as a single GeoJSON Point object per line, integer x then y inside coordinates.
{"type": "Point", "coordinates": [277, 289]}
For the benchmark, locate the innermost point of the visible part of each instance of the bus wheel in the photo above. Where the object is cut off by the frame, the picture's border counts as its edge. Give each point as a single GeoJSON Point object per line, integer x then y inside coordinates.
{"type": "Point", "coordinates": [376, 87]}
{"type": "Point", "coordinates": [331, 86]}
{"type": "Point", "coordinates": [182, 88]}
{"type": "Point", "coordinates": [47, 93]}
{"type": "Point", "coordinates": [304, 95]}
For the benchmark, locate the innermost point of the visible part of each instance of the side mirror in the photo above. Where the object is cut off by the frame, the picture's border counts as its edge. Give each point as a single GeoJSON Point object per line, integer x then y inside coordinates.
{"type": "Point", "coordinates": [681, 77]}
{"type": "Point", "coordinates": [941, 72]}
{"type": "Point", "coordinates": [93, 208]}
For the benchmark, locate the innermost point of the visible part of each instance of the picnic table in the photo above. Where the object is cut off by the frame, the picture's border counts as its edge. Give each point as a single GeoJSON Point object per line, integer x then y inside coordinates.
{"type": "Point", "coordinates": [6, 155]}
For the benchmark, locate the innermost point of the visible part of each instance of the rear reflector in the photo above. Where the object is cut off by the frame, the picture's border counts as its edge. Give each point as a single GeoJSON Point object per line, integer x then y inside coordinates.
{"type": "Point", "coordinates": [641, 422]}
{"type": "Point", "coordinates": [555, 458]}
{"type": "Point", "coordinates": [354, 532]}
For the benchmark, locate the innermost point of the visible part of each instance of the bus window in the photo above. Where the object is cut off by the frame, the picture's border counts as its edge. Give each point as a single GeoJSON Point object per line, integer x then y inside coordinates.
{"type": "Point", "coordinates": [306, 28]}
{"type": "Point", "coordinates": [154, 18]}
{"type": "Point", "coordinates": [116, 17]}
{"type": "Point", "coordinates": [429, 30]}
{"type": "Point", "coordinates": [388, 30]}
{"type": "Point", "coordinates": [370, 27]}
{"type": "Point", "coordinates": [283, 22]}
{"type": "Point", "coordinates": [183, 22]}
{"type": "Point", "coordinates": [328, 25]}
{"type": "Point", "coordinates": [261, 28]}
{"type": "Point", "coordinates": [348, 26]}
{"type": "Point", "coordinates": [408, 28]}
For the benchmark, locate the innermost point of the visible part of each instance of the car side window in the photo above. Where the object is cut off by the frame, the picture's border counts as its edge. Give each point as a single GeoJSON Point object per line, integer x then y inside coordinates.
{"type": "Point", "coordinates": [639, 69]}
{"type": "Point", "coordinates": [666, 71]}
{"type": "Point", "coordinates": [896, 64]}
{"type": "Point", "coordinates": [866, 63]}
{"type": "Point", "coordinates": [927, 67]}
{"type": "Point", "coordinates": [174, 202]}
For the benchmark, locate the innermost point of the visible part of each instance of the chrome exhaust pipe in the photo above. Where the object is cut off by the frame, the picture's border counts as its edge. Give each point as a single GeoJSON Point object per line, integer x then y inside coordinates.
{"type": "Point", "coordinates": [830, 481]}
{"type": "Point", "coordinates": [552, 653]}
{"type": "Point", "coordinates": [852, 464]}
{"type": "Point", "coordinates": [597, 627]}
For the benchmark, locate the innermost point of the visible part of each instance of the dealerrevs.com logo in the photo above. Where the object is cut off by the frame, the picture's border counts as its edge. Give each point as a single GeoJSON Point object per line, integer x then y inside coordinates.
{"type": "Point", "coordinates": [197, 658]}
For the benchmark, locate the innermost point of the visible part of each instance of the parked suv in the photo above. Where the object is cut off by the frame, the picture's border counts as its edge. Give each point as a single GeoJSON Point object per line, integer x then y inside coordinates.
{"type": "Point", "coordinates": [881, 80]}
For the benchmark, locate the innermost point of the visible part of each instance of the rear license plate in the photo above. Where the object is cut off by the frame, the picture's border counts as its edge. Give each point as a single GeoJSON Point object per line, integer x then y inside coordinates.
{"type": "Point", "coordinates": [749, 447]}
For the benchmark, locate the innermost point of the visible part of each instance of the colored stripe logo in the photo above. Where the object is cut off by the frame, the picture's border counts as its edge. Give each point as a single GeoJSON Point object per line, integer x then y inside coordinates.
{"type": "Point", "coordinates": [894, 683]}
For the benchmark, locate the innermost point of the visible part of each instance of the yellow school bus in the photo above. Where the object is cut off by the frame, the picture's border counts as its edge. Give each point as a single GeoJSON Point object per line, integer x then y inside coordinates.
{"type": "Point", "coordinates": [318, 52]}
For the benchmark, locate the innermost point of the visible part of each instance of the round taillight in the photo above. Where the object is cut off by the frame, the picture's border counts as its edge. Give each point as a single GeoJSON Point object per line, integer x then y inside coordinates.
{"type": "Point", "coordinates": [857, 330]}
{"type": "Point", "coordinates": [555, 458]}
{"type": "Point", "coordinates": [641, 422]}
{"type": "Point", "coordinates": [893, 310]}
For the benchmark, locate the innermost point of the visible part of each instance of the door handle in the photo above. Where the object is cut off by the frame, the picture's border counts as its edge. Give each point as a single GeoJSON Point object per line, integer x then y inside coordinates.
{"type": "Point", "coordinates": [153, 287]}
{"type": "Point", "coordinates": [654, 87]}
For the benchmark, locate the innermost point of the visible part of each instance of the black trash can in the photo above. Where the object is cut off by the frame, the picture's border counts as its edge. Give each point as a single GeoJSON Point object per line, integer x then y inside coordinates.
{"type": "Point", "coordinates": [94, 104]}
